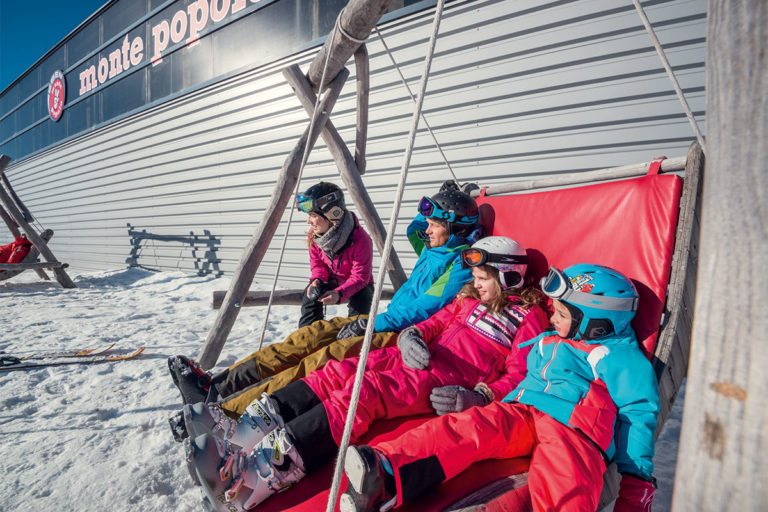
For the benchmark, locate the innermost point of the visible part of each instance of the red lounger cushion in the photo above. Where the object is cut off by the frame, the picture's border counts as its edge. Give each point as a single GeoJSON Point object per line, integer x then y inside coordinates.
{"type": "Point", "coordinates": [628, 225]}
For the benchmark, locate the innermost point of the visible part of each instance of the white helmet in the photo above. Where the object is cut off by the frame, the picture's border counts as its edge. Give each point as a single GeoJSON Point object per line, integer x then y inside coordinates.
{"type": "Point", "coordinates": [503, 253]}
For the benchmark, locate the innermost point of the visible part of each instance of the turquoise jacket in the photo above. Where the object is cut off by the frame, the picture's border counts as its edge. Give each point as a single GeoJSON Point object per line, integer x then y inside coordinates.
{"type": "Point", "coordinates": [605, 388]}
{"type": "Point", "coordinates": [436, 279]}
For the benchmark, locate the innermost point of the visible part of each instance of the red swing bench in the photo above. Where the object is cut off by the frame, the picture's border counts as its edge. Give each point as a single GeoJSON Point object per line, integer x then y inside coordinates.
{"type": "Point", "coordinates": [645, 227]}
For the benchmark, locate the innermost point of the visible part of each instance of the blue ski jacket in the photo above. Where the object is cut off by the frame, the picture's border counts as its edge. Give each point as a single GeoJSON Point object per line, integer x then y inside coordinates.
{"type": "Point", "coordinates": [605, 388]}
{"type": "Point", "coordinates": [435, 281]}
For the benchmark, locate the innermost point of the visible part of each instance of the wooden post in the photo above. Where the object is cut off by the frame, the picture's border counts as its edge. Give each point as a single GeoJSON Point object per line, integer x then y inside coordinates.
{"type": "Point", "coordinates": [724, 437]}
{"type": "Point", "coordinates": [61, 275]}
{"type": "Point", "coordinates": [349, 174]}
{"type": "Point", "coordinates": [363, 78]}
{"type": "Point", "coordinates": [357, 20]}
{"type": "Point", "coordinates": [12, 227]}
{"type": "Point", "coordinates": [257, 247]}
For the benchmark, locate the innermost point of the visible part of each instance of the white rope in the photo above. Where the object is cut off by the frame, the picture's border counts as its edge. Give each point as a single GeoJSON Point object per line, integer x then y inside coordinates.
{"type": "Point", "coordinates": [413, 98]}
{"type": "Point", "coordinates": [355, 398]}
{"type": "Point", "coordinates": [304, 159]}
{"type": "Point", "coordinates": [344, 32]}
{"type": "Point", "coordinates": [671, 74]}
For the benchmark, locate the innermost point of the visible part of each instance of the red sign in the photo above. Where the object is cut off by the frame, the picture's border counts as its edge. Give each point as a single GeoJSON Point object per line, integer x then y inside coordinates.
{"type": "Point", "coordinates": [56, 95]}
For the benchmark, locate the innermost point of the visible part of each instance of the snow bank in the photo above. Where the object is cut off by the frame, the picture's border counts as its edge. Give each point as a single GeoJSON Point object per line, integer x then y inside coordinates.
{"type": "Point", "coordinates": [96, 437]}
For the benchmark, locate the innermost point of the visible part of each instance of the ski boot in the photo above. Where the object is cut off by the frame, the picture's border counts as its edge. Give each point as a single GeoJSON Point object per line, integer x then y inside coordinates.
{"type": "Point", "coordinates": [235, 480]}
{"type": "Point", "coordinates": [193, 382]}
{"type": "Point", "coordinates": [260, 418]}
{"type": "Point", "coordinates": [371, 488]}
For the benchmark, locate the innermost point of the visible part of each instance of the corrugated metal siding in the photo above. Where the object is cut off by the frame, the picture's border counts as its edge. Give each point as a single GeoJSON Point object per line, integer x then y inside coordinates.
{"type": "Point", "coordinates": [517, 89]}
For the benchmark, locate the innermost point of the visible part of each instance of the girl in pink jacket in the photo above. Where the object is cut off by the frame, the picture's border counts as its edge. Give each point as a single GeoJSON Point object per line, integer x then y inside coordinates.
{"type": "Point", "coordinates": [340, 255]}
{"type": "Point", "coordinates": [465, 355]}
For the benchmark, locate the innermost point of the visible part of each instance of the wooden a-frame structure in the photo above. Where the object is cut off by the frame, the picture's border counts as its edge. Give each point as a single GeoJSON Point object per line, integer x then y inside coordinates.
{"type": "Point", "coordinates": [354, 24]}
{"type": "Point", "coordinates": [17, 218]}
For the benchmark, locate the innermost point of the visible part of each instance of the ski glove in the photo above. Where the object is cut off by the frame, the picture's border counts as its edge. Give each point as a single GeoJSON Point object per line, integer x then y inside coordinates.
{"type": "Point", "coordinates": [352, 329]}
{"type": "Point", "coordinates": [315, 289]}
{"type": "Point", "coordinates": [414, 351]}
{"type": "Point", "coordinates": [448, 399]}
{"type": "Point", "coordinates": [635, 494]}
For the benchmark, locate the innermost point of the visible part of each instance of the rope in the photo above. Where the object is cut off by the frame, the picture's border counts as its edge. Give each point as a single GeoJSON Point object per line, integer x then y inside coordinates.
{"type": "Point", "coordinates": [304, 159]}
{"type": "Point", "coordinates": [344, 32]}
{"type": "Point", "coordinates": [383, 266]}
{"type": "Point", "coordinates": [413, 98]}
{"type": "Point", "coordinates": [671, 74]}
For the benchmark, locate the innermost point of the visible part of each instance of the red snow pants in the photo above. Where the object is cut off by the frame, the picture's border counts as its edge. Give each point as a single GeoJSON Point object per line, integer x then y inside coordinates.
{"type": "Point", "coordinates": [566, 469]}
{"type": "Point", "coordinates": [389, 390]}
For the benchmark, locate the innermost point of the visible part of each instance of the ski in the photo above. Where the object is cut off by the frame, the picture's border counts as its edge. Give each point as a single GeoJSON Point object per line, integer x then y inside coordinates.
{"type": "Point", "coordinates": [56, 354]}
{"type": "Point", "coordinates": [92, 359]}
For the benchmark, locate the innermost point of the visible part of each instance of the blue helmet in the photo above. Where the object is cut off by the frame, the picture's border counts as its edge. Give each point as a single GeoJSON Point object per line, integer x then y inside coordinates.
{"type": "Point", "coordinates": [602, 301]}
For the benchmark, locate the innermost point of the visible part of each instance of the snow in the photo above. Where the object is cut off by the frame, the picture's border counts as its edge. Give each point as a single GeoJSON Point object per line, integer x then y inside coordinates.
{"type": "Point", "coordinates": [96, 437]}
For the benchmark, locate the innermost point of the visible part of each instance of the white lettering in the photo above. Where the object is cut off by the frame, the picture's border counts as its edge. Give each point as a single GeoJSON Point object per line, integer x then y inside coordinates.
{"type": "Point", "coordinates": [178, 26]}
{"type": "Point", "coordinates": [198, 19]}
{"type": "Point", "coordinates": [160, 39]}
{"type": "Point", "coordinates": [124, 48]}
{"type": "Point", "coordinates": [103, 70]}
{"type": "Point", "coordinates": [219, 14]}
{"type": "Point", "coordinates": [87, 79]}
{"type": "Point", "coordinates": [115, 66]}
{"type": "Point", "coordinates": [239, 5]}
{"type": "Point", "coordinates": [137, 50]}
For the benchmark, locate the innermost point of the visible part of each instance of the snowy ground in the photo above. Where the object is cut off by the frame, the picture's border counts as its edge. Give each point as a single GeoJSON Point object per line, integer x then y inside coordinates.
{"type": "Point", "coordinates": [96, 437]}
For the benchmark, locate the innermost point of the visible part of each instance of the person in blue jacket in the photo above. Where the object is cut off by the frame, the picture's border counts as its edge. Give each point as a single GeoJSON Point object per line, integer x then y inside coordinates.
{"type": "Point", "coordinates": [590, 397]}
{"type": "Point", "coordinates": [446, 223]}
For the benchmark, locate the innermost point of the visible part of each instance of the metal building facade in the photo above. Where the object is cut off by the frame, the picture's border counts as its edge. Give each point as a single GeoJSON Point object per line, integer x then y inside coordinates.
{"type": "Point", "coordinates": [518, 89]}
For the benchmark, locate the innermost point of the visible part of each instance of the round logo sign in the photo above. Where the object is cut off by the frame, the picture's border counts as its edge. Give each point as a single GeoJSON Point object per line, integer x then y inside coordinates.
{"type": "Point", "coordinates": [56, 94]}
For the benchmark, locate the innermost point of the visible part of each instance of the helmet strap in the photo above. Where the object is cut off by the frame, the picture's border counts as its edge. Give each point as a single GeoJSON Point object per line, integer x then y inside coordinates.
{"type": "Point", "coordinates": [598, 328]}
{"type": "Point", "coordinates": [576, 317]}
{"type": "Point", "coordinates": [510, 279]}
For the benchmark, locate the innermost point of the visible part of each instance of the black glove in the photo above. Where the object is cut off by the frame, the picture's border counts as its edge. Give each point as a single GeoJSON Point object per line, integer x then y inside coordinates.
{"type": "Point", "coordinates": [449, 185]}
{"type": "Point", "coordinates": [352, 329]}
{"type": "Point", "coordinates": [467, 188]}
{"type": "Point", "coordinates": [414, 351]}
{"type": "Point", "coordinates": [315, 289]}
{"type": "Point", "coordinates": [448, 399]}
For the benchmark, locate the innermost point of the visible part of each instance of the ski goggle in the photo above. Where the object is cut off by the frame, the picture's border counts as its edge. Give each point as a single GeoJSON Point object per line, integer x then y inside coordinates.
{"type": "Point", "coordinates": [557, 285]}
{"type": "Point", "coordinates": [431, 210]}
{"type": "Point", "coordinates": [307, 204]}
{"type": "Point", "coordinates": [477, 257]}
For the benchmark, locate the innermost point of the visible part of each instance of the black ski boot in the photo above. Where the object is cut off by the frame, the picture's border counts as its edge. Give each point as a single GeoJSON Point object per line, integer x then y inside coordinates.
{"type": "Point", "coordinates": [193, 382]}
{"type": "Point", "coordinates": [371, 488]}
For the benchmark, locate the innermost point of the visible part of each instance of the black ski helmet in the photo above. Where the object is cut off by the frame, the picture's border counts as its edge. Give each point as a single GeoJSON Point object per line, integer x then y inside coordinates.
{"type": "Point", "coordinates": [454, 207]}
{"type": "Point", "coordinates": [325, 199]}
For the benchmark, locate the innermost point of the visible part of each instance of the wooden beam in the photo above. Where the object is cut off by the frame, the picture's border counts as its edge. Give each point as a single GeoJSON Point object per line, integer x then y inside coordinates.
{"type": "Point", "coordinates": [613, 173]}
{"type": "Point", "coordinates": [257, 247]}
{"type": "Point", "coordinates": [357, 20]}
{"type": "Point", "coordinates": [363, 78]}
{"type": "Point", "coordinates": [33, 265]}
{"type": "Point", "coordinates": [349, 174]}
{"type": "Point", "coordinates": [281, 298]}
{"type": "Point", "coordinates": [721, 459]}
{"type": "Point", "coordinates": [61, 276]}
{"type": "Point", "coordinates": [12, 226]}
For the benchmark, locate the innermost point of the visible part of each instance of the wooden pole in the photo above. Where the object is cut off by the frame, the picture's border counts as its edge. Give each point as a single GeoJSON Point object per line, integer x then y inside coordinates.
{"type": "Point", "coordinates": [61, 275]}
{"type": "Point", "coordinates": [724, 437]}
{"type": "Point", "coordinates": [257, 247]}
{"type": "Point", "coordinates": [280, 298]}
{"type": "Point", "coordinates": [349, 174]}
{"type": "Point", "coordinates": [12, 226]}
{"type": "Point", "coordinates": [356, 22]}
{"type": "Point", "coordinates": [363, 78]}
{"type": "Point", "coordinates": [613, 173]}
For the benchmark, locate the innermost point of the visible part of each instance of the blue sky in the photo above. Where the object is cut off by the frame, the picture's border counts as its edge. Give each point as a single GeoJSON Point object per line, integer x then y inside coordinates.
{"type": "Point", "coordinates": [28, 29]}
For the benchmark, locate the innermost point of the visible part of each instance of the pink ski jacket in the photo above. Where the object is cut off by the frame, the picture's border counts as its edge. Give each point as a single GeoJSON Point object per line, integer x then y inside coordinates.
{"type": "Point", "coordinates": [351, 270]}
{"type": "Point", "coordinates": [467, 339]}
